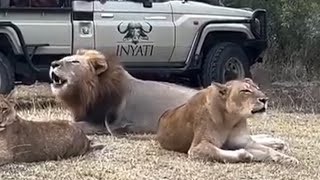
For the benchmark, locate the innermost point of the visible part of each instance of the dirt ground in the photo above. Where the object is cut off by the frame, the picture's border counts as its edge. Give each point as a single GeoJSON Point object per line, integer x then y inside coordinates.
{"type": "Point", "coordinates": [144, 159]}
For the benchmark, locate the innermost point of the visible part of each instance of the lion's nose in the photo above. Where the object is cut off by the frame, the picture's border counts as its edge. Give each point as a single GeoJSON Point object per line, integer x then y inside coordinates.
{"type": "Point", "coordinates": [263, 100]}
{"type": "Point", "coordinates": [55, 64]}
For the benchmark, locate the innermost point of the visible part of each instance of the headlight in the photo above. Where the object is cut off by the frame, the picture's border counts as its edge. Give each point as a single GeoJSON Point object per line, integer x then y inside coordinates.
{"type": "Point", "coordinates": [257, 26]}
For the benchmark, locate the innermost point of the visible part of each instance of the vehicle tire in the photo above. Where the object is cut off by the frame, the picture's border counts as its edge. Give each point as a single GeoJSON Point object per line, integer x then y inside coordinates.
{"type": "Point", "coordinates": [6, 75]}
{"type": "Point", "coordinates": [223, 62]}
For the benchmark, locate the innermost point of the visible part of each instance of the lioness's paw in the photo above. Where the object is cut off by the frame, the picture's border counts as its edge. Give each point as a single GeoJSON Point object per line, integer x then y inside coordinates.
{"type": "Point", "coordinates": [267, 140]}
{"type": "Point", "coordinates": [285, 159]}
{"type": "Point", "coordinates": [278, 146]}
{"type": "Point", "coordinates": [244, 155]}
{"type": "Point", "coordinates": [290, 160]}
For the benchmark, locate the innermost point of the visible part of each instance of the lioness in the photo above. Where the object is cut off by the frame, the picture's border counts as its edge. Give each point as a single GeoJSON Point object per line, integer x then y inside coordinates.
{"type": "Point", "coordinates": [30, 141]}
{"type": "Point", "coordinates": [97, 89]}
{"type": "Point", "coordinates": [213, 125]}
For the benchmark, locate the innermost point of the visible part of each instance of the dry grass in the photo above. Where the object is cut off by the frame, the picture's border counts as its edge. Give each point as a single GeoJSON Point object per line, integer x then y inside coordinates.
{"type": "Point", "coordinates": [135, 159]}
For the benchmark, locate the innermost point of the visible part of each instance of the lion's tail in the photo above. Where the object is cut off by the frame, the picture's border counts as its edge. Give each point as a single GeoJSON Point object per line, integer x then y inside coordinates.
{"type": "Point", "coordinates": [95, 146]}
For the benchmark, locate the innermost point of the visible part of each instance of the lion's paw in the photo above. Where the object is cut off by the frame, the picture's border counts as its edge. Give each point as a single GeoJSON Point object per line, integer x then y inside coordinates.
{"type": "Point", "coordinates": [244, 155]}
{"type": "Point", "coordinates": [192, 155]}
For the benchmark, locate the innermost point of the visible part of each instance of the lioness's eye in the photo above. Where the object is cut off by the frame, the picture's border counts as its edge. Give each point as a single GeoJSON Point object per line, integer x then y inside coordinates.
{"type": "Point", "coordinates": [75, 62]}
{"type": "Point", "coordinates": [4, 110]}
{"type": "Point", "coordinates": [246, 91]}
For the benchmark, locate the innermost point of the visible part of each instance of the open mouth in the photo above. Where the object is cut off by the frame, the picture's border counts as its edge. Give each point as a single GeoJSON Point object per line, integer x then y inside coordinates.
{"type": "Point", "coordinates": [258, 110]}
{"type": "Point", "coordinates": [57, 81]}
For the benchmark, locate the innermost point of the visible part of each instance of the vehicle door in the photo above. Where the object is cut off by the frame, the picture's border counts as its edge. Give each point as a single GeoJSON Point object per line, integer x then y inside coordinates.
{"type": "Point", "coordinates": [133, 32]}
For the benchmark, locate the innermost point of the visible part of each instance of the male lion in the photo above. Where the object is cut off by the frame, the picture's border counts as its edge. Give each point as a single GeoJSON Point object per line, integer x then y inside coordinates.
{"type": "Point", "coordinates": [98, 91]}
{"type": "Point", "coordinates": [212, 125]}
{"type": "Point", "coordinates": [30, 141]}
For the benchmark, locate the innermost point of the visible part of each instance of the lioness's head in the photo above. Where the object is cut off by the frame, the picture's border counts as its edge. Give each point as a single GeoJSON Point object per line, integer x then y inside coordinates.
{"type": "Point", "coordinates": [242, 97]}
{"type": "Point", "coordinates": [85, 65]}
{"type": "Point", "coordinates": [7, 111]}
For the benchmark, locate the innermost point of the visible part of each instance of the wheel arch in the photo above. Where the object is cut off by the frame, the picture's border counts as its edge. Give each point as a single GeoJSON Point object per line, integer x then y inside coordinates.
{"type": "Point", "coordinates": [213, 34]}
{"type": "Point", "coordinates": [9, 41]}
{"type": "Point", "coordinates": [7, 44]}
{"type": "Point", "coordinates": [8, 72]}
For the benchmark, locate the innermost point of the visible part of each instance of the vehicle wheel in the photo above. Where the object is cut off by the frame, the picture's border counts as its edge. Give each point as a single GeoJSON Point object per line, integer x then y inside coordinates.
{"type": "Point", "coordinates": [6, 75]}
{"type": "Point", "coordinates": [225, 61]}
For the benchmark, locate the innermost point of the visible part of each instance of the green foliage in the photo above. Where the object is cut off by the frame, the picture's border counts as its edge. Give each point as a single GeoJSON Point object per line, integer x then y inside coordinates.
{"type": "Point", "coordinates": [294, 34]}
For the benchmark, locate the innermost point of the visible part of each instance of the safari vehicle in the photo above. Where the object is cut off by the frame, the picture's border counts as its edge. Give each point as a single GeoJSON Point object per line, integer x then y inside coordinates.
{"type": "Point", "coordinates": [178, 37]}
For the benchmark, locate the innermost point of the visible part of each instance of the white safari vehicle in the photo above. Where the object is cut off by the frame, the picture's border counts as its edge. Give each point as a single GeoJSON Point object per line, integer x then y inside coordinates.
{"type": "Point", "coordinates": [180, 37]}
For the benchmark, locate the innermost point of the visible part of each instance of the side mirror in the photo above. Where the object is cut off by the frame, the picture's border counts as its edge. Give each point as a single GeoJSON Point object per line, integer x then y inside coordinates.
{"type": "Point", "coordinates": [147, 3]}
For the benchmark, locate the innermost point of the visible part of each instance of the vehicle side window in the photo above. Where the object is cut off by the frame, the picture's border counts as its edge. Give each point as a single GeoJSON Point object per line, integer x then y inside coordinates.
{"type": "Point", "coordinates": [120, 0]}
{"type": "Point", "coordinates": [4, 3]}
{"type": "Point", "coordinates": [36, 3]}
{"type": "Point", "coordinates": [160, 1]}
{"type": "Point", "coordinates": [139, 1]}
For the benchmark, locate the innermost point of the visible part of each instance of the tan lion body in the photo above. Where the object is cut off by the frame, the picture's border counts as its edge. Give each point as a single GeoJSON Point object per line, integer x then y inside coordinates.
{"type": "Point", "coordinates": [212, 125]}
{"type": "Point", "coordinates": [126, 104]}
{"type": "Point", "coordinates": [31, 141]}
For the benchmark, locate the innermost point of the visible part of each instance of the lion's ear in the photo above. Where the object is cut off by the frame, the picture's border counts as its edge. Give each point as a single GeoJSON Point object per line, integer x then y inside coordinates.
{"type": "Point", "coordinates": [222, 88]}
{"type": "Point", "coordinates": [100, 65]}
{"type": "Point", "coordinates": [81, 51]}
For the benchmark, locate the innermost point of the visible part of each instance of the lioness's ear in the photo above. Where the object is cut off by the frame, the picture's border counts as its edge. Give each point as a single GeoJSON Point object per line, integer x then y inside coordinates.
{"type": "Point", "coordinates": [81, 51]}
{"type": "Point", "coordinates": [100, 65]}
{"type": "Point", "coordinates": [222, 88]}
{"type": "Point", "coordinates": [11, 97]}
{"type": "Point", "coordinates": [248, 80]}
